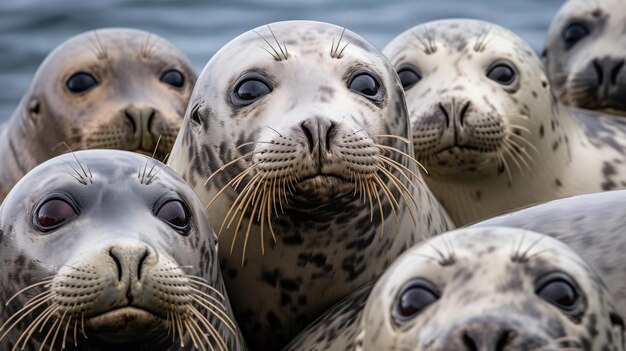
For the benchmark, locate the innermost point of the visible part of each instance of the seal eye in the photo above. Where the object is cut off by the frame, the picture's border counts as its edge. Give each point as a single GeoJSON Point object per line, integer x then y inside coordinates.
{"type": "Point", "coordinates": [412, 300]}
{"type": "Point", "coordinates": [502, 73]}
{"type": "Point", "coordinates": [174, 78]}
{"type": "Point", "coordinates": [52, 213]}
{"type": "Point", "coordinates": [560, 293]}
{"type": "Point", "coordinates": [573, 33]}
{"type": "Point", "coordinates": [408, 77]}
{"type": "Point", "coordinates": [80, 82]}
{"type": "Point", "coordinates": [365, 85]}
{"type": "Point", "coordinates": [175, 213]}
{"type": "Point", "coordinates": [250, 90]}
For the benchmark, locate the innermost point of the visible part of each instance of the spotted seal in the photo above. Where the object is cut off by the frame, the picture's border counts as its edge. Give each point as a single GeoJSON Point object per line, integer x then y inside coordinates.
{"type": "Point", "coordinates": [585, 54]}
{"type": "Point", "coordinates": [487, 127]}
{"type": "Point", "coordinates": [592, 224]}
{"type": "Point", "coordinates": [295, 139]}
{"type": "Point", "coordinates": [110, 250]}
{"type": "Point", "coordinates": [109, 88]}
{"type": "Point", "coordinates": [476, 289]}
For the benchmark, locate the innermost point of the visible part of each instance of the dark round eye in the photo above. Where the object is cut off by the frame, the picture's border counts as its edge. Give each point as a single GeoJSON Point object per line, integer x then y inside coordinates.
{"type": "Point", "coordinates": [251, 89]}
{"type": "Point", "coordinates": [408, 77]}
{"type": "Point", "coordinates": [365, 85]}
{"type": "Point", "coordinates": [174, 78]}
{"type": "Point", "coordinates": [53, 213]}
{"type": "Point", "coordinates": [412, 300]}
{"type": "Point", "coordinates": [80, 82]}
{"type": "Point", "coordinates": [502, 73]}
{"type": "Point", "coordinates": [573, 33]}
{"type": "Point", "coordinates": [560, 293]}
{"type": "Point", "coordinates": [175, 213]}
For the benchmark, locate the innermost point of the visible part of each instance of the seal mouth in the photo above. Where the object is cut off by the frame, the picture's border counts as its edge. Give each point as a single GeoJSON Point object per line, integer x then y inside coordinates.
{"type": "Point", "coordinates": [125, 323]}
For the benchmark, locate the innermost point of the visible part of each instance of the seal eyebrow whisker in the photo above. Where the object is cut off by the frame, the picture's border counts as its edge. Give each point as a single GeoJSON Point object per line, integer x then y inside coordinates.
{"type": "Point", "coordinates": [84, 177]}
{"type": "Point", "coordinates": [429, 46]}
{"type": "Point", "coordinates": [275, 54]}
{"type": "Point", "coordinates": [522, 257]}
{"type": "Point", "coordinates": [482, 41]}
{"type": "Point", "coordinates": [284, 53]}
{"type": "Point", "coordinates": [334, 50]}
{"type": "Point", "coordinates": [142, 176]}
{"type": "Point", "coordinates": [99, 49]}
{"type": "Point", "coordinates": [148, 49]}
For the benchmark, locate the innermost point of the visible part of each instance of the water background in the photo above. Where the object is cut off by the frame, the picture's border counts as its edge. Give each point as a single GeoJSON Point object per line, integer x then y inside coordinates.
{"type": "Point", "coordinates": [30, 29]}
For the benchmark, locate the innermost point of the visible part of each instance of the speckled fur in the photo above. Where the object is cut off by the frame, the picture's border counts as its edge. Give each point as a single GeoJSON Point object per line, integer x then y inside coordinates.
{"type": "Point", "coordinates": [327, 244]}
{"type": "Point", "coordinates": [550, 150]}
{"type": "Point", "coordinates": [487, 280]}
{"type": "Point", "coordinates": [116, 204]}
{"type": "Point", "coordinates": [592, 224]}
{"type": "Point", "coordinates": [127, 64]}
{"type": "Point", "coordinates": [591, 73]}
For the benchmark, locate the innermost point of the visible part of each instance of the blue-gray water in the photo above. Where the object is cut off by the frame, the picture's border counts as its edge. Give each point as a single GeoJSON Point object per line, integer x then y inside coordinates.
{"type": "Point", "coordinates": [29, 29]}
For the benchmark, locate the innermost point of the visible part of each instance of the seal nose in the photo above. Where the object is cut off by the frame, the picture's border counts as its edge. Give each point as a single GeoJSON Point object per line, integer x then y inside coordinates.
{"type": "Point", "coordinates": [607, 70]}
{"type": "Point", "coordinates": [141, 118]}
{"type": "Point", "coordinates": [454, 111]}
{"type": "Point", "coordinates": [319, 133]}
{"type": "Point", "coordinates": [474, 340]}
{"type": "Point", "coordinates": [131, 259]}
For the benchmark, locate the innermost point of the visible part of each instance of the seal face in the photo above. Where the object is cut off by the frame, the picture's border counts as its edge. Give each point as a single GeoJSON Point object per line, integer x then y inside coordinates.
{"type": "Point", "coordinates": [591, 224]}
{"type": "Point", "coordinates": [477, 289]}
{"type": "Point", "coordinates": [295, 139]}
{"type": "Point", "coordinates": [487, 127]}
{"type": "Point", "coordinates": [106, 250]}
{"type": "Point", "coordinates": [105, 89]}
{"type": "Point", "coordinates": [585, 55]}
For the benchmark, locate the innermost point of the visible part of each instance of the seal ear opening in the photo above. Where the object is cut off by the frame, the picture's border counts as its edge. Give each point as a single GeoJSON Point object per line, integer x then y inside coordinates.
{"type": "Point", "coordinates": [34, 108]}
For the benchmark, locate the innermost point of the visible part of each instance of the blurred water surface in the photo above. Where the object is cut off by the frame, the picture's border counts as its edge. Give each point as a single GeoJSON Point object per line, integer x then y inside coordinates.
{"type": "Point", "coordinates": [30, 29]}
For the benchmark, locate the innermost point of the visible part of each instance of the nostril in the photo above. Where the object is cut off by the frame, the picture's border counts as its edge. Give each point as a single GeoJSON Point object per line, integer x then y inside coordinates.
{"type": "Point", "coordinates": [309, 136]}
{"type": "Point", "coordinates": [445, 114]}
{"type": "Point", "coordinates": [149, 118]}
{"type": "Point", "coordinates": [504, 340]}
{"type": "Point", "coordinates": [469, 342]}
{"type": "Point", "coordinates": [131, 117]}
{"type": "Point", "coordinates": [615, 71]}
{"type": "Point", "coordinates": [118, 263]}
{"type": "Point", "coordinates": [464, 112]}
{"type": "Point", "coordinates": [142, 259]}
{"type": "Point", "coordinates": [599, 71]}
{"type": "Point", "coordinates": [330, 134]}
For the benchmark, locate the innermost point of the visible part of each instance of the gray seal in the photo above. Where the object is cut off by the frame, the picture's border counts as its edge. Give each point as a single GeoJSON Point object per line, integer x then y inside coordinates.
{"type": "Point", "coordinates": [104, 89]}
{"type": "Point", "coordinates": [487, 127]}
{"type": "Point", "coordinates": [110, 250]}
{"type": "Point", "coordinates": [296, 139]}
{"type": "Point", "coordinates": [476, 289]}
{"type": "Point", "coordinates": [585, 54]}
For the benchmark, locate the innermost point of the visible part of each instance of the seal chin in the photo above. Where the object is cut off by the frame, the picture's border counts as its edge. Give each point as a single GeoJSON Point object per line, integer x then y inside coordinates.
{"type": "Point", "coordinates": [125, 325]}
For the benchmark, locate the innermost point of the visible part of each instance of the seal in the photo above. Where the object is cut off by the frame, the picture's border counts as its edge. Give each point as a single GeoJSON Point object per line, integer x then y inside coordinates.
{"type": "Point", "coordinates": [487, 127]}
{"type": "Point", "coordinates": [104, 89]}
{"type": "Point", "coordinates": [592, 224]}
{"type": "Point", "coordinates": [585, 53]}
{"type": "Point", "coordinates": [477, 289]}
{"type": "Point", "coordinates": [296, 139]}
{"type": "Point", "coordinates": [110, 250]}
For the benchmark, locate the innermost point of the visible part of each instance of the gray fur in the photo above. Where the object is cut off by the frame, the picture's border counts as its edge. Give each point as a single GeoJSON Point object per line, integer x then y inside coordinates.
{"type": "Point", "coordinates": [114, 254]}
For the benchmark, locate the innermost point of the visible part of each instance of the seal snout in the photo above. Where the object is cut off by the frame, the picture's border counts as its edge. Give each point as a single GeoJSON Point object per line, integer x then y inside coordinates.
{"type": "Point", "coordinates": [141, 119]}
{"type": "Point", "coordinates": [131, 259]}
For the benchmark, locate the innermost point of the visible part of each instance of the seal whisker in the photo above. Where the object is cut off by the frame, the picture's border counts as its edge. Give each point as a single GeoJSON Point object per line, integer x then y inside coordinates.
{"type": "Point", "coordinates": [235, 182]}
{"type": "Point", "coordinates": [229, 164]}
{"type": "Point", "coordinates": [193, 326]}
{"type": "Point", "coordinates": [392, 201]}
{"type": "Point", "coordinates": [210, 328]}
{"type": "Point", "coordinates": [44, 282]}
{"type": "Point", "coordinates": [403, 191]}
{"type": "Point", "coordinates": [513, 150]}
{"type": "Point", "coordinates": [218, 313]}
{"type": "Point", "coordinates": [334, 50]}
{"type": "Point", "coordinates": [402, 139]}
{"type": "Point", "coordinates": [275, 55]}
{"type": "Point", "coordinates": [203, 282]}
{"type": "Point", "coordinates": [285, 54]}
{"type": "Point", "coordinates": [396, 150]}
{"type": "Point", "coordinates": [190, 331]}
